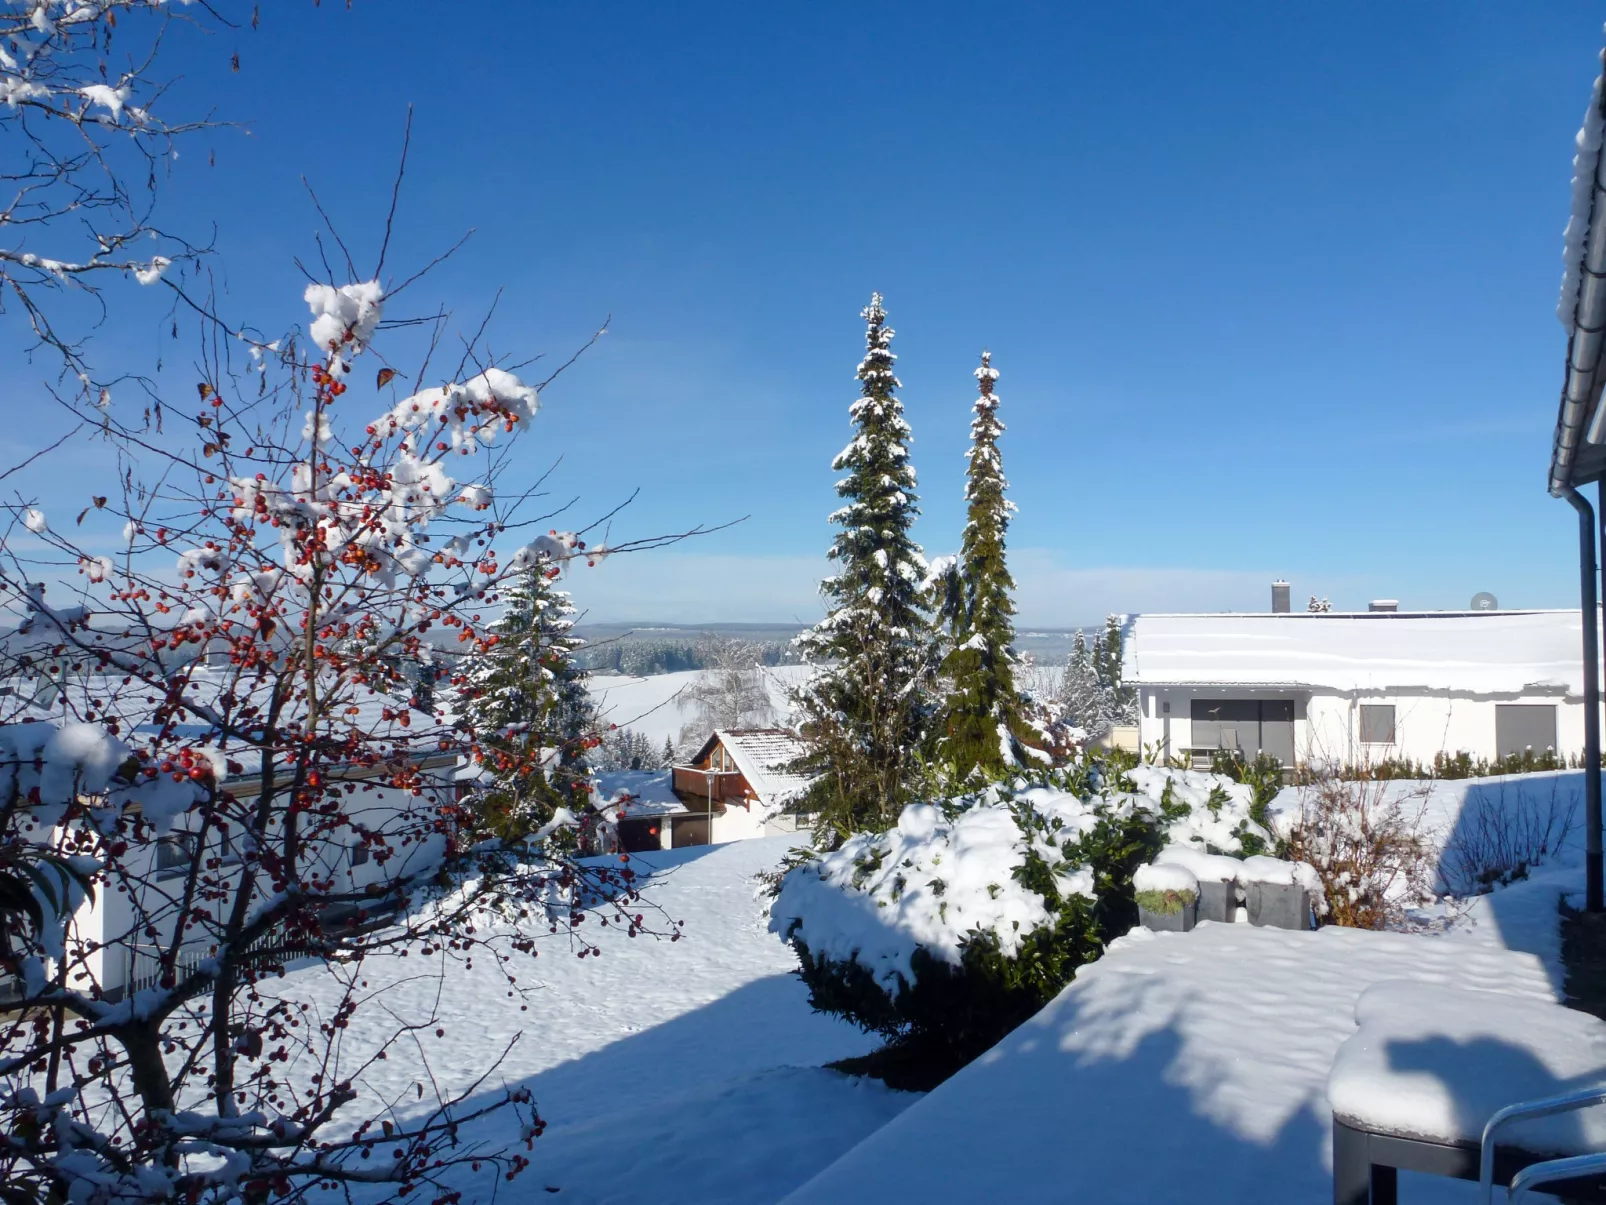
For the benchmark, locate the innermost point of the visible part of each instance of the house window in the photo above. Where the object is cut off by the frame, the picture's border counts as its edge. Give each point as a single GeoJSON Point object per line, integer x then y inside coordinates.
{"type": "Point", "coordinates": [1522, 726]}
{"type": "Point", "coordinates": [359, 855]}
{"type": "Point", "coordinates": [175, 852]}
{"type": "Point", "coordinates": [1246, 726]}
{"type": "Point", "coordinates": [1377, 723]}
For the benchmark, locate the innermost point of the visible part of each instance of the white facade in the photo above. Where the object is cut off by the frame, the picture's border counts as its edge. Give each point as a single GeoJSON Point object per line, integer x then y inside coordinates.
{"type": "Point", "coordinates": [113, 921]}
{"type": "Point", "coordinates": [1359, 689]}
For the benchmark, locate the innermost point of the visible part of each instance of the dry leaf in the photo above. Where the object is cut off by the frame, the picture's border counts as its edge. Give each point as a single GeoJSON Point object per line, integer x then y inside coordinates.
{"type": "Point", "coordinates": [99, 500]}
{"type": "Point", "coordinates": [385, 377]}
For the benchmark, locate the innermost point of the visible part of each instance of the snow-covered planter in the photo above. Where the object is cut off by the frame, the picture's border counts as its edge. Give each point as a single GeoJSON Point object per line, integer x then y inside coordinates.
{"type": "Point", "coordinates": [1217, 876]}
{"type": "Point", "coordinates": [1167, 896]}
{"type": "Point", "coordinates": [969, 915]}
{"type": "Point", "coordinates": [1278, 894]}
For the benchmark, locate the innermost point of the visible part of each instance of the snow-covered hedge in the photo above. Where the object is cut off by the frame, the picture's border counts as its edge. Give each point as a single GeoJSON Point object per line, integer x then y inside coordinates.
{"type": "Point", "coordinates": [971, 913]}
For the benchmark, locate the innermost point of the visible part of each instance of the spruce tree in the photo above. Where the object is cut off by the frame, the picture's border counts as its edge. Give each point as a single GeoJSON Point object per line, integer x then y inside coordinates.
{"type": "Point", "coordinates": [1109, 647]}
{"type": "Point", "coordinates": [981, 723]}
{"type": "Point", "coordinates": [527, 694]}
{"type": "Point", "coordinates": [863, 715]}
{"type": "Point", "coordinates": [1081, 698]}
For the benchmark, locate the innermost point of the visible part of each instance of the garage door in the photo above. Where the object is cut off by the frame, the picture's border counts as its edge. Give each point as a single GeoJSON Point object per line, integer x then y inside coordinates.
{"type": "Point", "coordinates": [1520, 726]}
{"type": "Point", "coordinates": [689, 830]}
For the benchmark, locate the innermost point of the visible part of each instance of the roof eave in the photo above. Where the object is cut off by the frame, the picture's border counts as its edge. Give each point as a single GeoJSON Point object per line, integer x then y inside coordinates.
{"type": "Point", "coordinates": [1581, 423]}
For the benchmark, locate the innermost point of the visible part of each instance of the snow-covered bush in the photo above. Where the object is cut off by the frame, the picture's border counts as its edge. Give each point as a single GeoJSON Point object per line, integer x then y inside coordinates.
{"type": "Point", "coordinates": [953, 927]}
{"type": "Point", "coordinates": [1364, 837]}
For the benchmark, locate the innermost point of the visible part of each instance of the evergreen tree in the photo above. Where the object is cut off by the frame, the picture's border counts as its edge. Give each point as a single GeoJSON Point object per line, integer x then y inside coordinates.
{"type": "Point", "coordinates": [864, 714]}
{"type": "Point", "coordinates": [981, 723]}
{"type": "Point", "coordinates": [1109, 650]}
{"type": "Point", "coordinates": [527, 693]}
{"type": "Point", "coordinates": [1081, 698]}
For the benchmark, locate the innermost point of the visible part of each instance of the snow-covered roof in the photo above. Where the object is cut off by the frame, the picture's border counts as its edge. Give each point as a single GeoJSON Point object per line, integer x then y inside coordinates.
{"type": "Point", "coordinates": [637, 792]}
{"type": "Point", "coordinates": [1483, 652]}
{"type": "Point", "coordinates": [762, 755]}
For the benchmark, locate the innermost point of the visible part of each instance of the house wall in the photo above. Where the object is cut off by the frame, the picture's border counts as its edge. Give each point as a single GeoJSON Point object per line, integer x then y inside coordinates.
{"type": "Point", "coordinates": [1327, 725]}
{"type": "Point", "coordinates": [738, 823]}
{"type": "Point", "coordinates": [110, 922]}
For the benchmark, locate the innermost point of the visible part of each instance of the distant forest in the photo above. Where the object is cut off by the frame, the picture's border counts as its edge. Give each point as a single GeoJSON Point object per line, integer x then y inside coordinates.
{"type": "Point", "coordinates": [639, 657]}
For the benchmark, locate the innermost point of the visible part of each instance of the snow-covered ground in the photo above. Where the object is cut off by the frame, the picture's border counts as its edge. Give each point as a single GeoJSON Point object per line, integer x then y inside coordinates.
{"type": "Point", "coordinates": [1180, 1067]}
{"type": "Point", "coordinates": [1193, 1067]}
{"type": "Point", "coordinates": [668, 1072]}
{"type": "Point", "coordinates": [1471, 822]}
{"type": "Point", "coordinates": [657, 705]}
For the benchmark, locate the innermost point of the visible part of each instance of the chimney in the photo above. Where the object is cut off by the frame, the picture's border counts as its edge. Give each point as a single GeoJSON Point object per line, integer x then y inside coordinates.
{"type": "Point", "coordinates": [1383, 605]}
{"type": "Point", "coordinates": [1280, 604]}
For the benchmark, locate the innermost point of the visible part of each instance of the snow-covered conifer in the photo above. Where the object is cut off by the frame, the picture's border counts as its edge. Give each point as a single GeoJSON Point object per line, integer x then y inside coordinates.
{"type": "Point", "coordinates": [1080, 698]}
{"type": "Point", "coordinates": [1109, 647]}
{"type": "Point", "coordinates": [864, 713]}
{"type": "Point", "coordinates": [980, 724]}
{"type": "Point", "coordinates": [526, 696]}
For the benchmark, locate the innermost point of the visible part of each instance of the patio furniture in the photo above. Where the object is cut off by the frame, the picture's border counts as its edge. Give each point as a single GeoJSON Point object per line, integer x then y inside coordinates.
{"type": "Point", "coordinates": [1430, 1083]}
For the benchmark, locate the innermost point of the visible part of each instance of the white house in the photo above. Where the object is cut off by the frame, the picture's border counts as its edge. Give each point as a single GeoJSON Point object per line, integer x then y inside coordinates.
{"type": "Point", "coordinates": [184, 881]}
{"type": "Point", "coordinates": [1359, 688]}
{"type": "Point", "coordinates": [121, 961]}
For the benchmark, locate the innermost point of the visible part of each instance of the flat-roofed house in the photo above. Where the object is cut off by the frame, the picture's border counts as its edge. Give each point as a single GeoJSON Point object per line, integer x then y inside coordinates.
{"type": "Point", "coordinates": [1359, 688]}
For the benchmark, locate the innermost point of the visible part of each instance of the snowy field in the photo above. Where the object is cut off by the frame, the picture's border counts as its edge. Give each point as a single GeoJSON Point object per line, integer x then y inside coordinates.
{"type": "Point", "coordinates": [657, 706]}
{"type": "Point", "coordinates": [668, 1072]}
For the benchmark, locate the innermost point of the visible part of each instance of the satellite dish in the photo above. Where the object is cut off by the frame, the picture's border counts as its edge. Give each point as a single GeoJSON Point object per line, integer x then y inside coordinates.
{"type": "Point", "coordinates": [1484, 601]}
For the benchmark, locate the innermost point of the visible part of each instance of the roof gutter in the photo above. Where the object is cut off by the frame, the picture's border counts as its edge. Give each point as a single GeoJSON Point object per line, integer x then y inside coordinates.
{"type": "Point", "coordinates": [1581, 389]}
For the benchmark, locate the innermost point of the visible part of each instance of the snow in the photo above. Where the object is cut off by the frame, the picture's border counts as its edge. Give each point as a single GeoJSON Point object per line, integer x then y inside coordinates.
{"type": "Point", "coordinates": [636, 792]}
{"type": "Point", "coordinates": [1586, 163]}
{"type": "Point", "coordinates": [1206, 868]}
{"type": "Point", "coordinates": [1483, 652]}
{"type": "Point", "coordinates": [930, 883]}
{"type": "Point", "coordinates": [1465, 820]}
{"type": "Point", "coordinates": [672, 1072]}
{"type": "Point", "coordinates": [352, 310]}
{"type": "Point", "coordinates": [657, 705]}
{"type": "Point", "coordinates": [104, 95]}
{"type": "Point", "coordinates": [1218, 807]}
{"type": "Point", "coordinates": [1215, 1047]}
{"type": "Point", "coordinates": [1436, 1063]}
{"type": "Point", "coordinates": [1164, 876]}
{"type": "Point", "coordinates": [762, 755]}
{"type": "Point", "coordinates": [152, 272]}
{"type": "Point", "coordinates": [944, 874]}
{"type": "Point", "coordinates": [1174, 1057]}
{"type": "Point", "coordinates": [1261, 869]}
{"type": "Point", "coordinates": [736, 1143]}
{"type": "Point", "coordinates": [34, 520]}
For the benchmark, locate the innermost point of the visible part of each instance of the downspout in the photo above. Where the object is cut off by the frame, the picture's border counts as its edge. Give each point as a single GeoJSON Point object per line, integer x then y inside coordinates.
{"type": "Point", "coordinates": [1590, 609]}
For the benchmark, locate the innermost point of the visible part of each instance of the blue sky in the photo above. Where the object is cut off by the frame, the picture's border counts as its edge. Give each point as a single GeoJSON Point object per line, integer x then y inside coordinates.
{"type": "Point", "coordinates": [1271, 287]}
